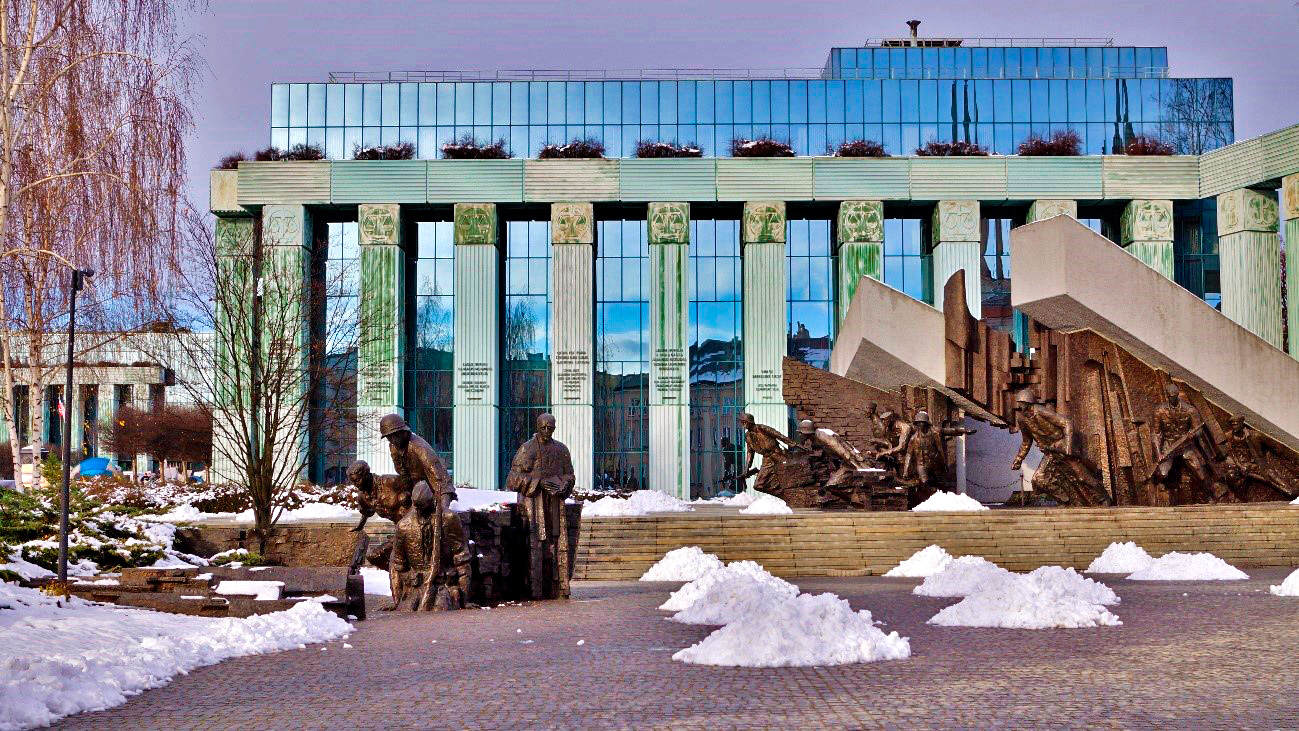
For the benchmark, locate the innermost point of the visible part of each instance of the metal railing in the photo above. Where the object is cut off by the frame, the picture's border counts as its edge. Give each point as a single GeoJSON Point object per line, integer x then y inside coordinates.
{"type": "Point", "coordinates": [579, 75]}
{"type": "Point", "coordinates": [963, 72]}
{"type": "Point", "coordinates": [993, 42]}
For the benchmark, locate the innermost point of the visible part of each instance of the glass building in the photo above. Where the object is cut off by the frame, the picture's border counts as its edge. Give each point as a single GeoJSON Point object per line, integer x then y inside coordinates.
{"type": "Point", "coordinates": [901, 93]}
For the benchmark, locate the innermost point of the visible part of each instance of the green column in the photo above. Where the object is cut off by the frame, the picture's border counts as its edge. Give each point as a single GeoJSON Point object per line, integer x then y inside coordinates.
{"type": "Point", "coordinates": [232, 382]}
{"type": "Point", "coordinates": [766, 292]}
{"type": "Point", "coordinates": [861, 247]}
{"type": "Point", "coordinates": [476, 415]}
{"type": "Point", "coordinates": [955, 245]}
{"type": "Point", "coordinates": [1147, 233]}
{"type": "Point", "coordinates": [1040, 210]}
{"type": "Point", "coordinates": [669, 303]}
{"type": "Point", "coordinates": [572, 328]}
{"type": "Point", "coordinates": [285, 286]}
{"type": "Point", "coordinates": [381, 342]}
{"type": "Point", "coordinates": [1249, 254]}
{"type": "Point", "coordinates": [1290, 212]}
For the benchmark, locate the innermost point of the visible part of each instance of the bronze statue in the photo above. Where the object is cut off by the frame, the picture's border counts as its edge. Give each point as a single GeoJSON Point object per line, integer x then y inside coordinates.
{"type": "Point", "coordinates": [385, 495]}
{"type": "Point", "coordinates": [1062, 475]}
{"type": "Point", "coordinates": [1180, 446]}
{"type": "Point", "coordinates": [434, 526]}
{"type": "Point", "coordinates": [1246, 464]}
{"type": "Point", "coordinates": [925, 458]}
{"type": "Point", "coordinates": [760, 439]}
{"type": "Point", "coordinates": [542, 474]}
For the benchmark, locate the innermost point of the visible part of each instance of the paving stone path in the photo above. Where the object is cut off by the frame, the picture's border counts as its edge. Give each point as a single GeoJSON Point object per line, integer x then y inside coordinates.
{"type": "Point", "coordinates": [1205, 655]}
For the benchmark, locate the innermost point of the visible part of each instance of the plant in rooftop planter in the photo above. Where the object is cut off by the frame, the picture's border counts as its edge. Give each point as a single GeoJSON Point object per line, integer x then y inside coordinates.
{"type": "Point", "coordinates": [468, 148]}
{"type": "Point", "coordinates": [859, 148]}
{"type": "Point", "coordinates": [395, 151]}
{"type": "Point", "coordinates": [1061, 143]}
{"type": "Point", "coordinates": [760, 147]}
{"type": "Point", "coordinates": [587, 148]}
{"type": "Point", "coordinates": [297, 152]}
{"type": "Point", "coordinates": [268, 154]}
{"type": "Point", "coordinates": [939, 148]}
{"type": "Point", "coordinates": [651, 149]}
{"type": "Point", "coordinates": [1144, 145]}
{"type": "Point", "coordinates": [231, 161]}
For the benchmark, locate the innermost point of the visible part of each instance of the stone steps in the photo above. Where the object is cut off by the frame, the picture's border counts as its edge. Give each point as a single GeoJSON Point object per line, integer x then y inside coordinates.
{"type": "Point", "coordinates": [810, 543]}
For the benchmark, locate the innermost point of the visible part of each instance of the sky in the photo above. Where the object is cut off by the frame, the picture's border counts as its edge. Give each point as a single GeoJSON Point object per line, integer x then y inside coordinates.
{"type": "Point", "coordinates": [248, 44]}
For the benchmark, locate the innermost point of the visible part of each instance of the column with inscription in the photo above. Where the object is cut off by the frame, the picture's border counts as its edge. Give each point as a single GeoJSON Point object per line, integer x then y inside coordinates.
{"type": "Point", "coordinates": [669, 410]}
{"type": "Point", "coordinates": [954, 238]}
{"type": "Point", "coordinates": [572, 332]}
{"type": "Point", "coordinates": [381, 345]}
{"type": "Point", "coordinates": [476, 417]}
{"type": "Point", "coordinates": [284, 324]}
{"type": "Point", "coordinates": [1147, 233]}
{"type": "Point", "coordinates": [765, 294]}
{"type": "Point", "coordinates": [861, 247]}
{"type": "Point", "coordinates": [1249, 255]}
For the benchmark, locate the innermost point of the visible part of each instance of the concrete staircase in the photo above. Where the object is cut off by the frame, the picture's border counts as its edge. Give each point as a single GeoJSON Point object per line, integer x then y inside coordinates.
{"type": "Point", "coordinates": [812, 543]}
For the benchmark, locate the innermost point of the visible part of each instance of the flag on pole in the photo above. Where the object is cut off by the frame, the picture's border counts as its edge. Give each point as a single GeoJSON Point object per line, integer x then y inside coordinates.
{"type": "Point", "coordinates": [62, 413]}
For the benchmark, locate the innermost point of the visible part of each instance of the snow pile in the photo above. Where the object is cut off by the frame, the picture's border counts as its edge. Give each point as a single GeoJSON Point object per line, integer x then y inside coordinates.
{"type": "Point", "coordinates": [377, 581]}
{"type": "Point", "coordinates": [1188, 567]}
{"type": "Point", "coordinates": [309, 511]}
{"type": "Point", "coordinates": [739, 500]}
{"type": "Point", "coordinates": [1051, 597]}
{"type": "Point", "coordinates": [682, 564]}
{"type": "Point", "coordinates": [802, 631]}
{"type": "Point", "coordinates": [260, 590]}
{"type": "Point", "coordinates": [1121, 558]}
{"type": "Point", "coordinates": [27, 569]}
{"type": "Point", "coordinates": [469, 498]}
{"type": "Point", "coordinates": [1289, 587]}
{"type": "Point", "coordinates": [925, 562]}
{"type": "Point", "coordinates": [186, 514]}
{"type": "Point", "coordinates": [767, 505]}
{"type": "Point", "coordinates": [962, 577]}
{"type": "Point", "coordinates": [949, 501]}
{"type": "Point", "coordinates": [1295, 501]}
{"type": "Point", "coordinates": [690, 593]}
{"type": "Point", "coordinates": [641, 502]}
{"type": "Point", "coordinates": [59, 657]}
{"type": "Point", "coordinates": [736, 597]}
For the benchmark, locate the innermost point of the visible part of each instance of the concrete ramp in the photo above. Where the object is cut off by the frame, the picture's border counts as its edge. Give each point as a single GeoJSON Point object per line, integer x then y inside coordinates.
{"type": "Point", "coordinates": [1068, 277]}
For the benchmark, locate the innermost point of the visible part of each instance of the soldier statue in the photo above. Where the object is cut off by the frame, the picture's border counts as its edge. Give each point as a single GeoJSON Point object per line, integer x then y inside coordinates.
{"type": "Point", "coordinates": [891, 440]}
{"type": "Point", "coordinates": [542, 474]}
{"type": "Point", "coordinates": [388, 496]}
{"type": "Point", "coordinates": [925, 456]}
{"type": "Point", "coordinates": [1246, 465]}
{"type": "Point", "coordinates": [446, 576]}
{"type": "Point", "coordinates": [1062, 475]}
{"type": "Point", "coordinates": [1180, 446]}
{"type": "Point", "coordinates": [760, 439]}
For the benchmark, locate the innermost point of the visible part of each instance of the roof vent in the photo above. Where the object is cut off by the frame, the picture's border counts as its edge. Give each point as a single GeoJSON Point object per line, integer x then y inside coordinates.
{"type": "Point", "coordinates": [915, 28]}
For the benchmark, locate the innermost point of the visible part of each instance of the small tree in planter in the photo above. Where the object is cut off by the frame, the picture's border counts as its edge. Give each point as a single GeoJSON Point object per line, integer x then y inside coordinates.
{"type": "Point", "coordinates": [468, 148]}
{"type": "Point", "coordinates": [859, 148]}
{"type": "Point", "coordinates": [297, 152]}
{"type": "Point", "coordinates": [1146, 145]}
{"type": "Point", "coordinates": [1061, 143]}
{"type": "Point", "coordinates": [231, 161]}
{"type": "Point", "coordinates": [587, 148]}
{"type": "Point", "coordinates": [395, 151]}
{"type": "Point", "coordinates": [651, 149]}
{"type": "Point", "coordinates": [760, 147]}
{"type": "Point", "coordinates": [939, 148]}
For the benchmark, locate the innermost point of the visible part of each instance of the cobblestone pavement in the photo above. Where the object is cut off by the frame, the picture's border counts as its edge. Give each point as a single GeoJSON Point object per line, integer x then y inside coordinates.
{"type": "Point", "coordinates": [1208, 655]}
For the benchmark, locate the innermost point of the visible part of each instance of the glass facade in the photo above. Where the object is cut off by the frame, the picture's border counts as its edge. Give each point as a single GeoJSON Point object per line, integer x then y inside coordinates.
{"type": "Point", "coordinates": [431, 334]}
{"type": "Point", "coordinates": [525, 351]}
{"type": "Point", "coordinates": [716, 357]}
{"type": "Point", "coordinates": [903, 261]}
{"type": "Point", "coordinates": [901, 97]}
{"type": "Point", "coordinates": [810, 310]}
{"type": "Point", "coordinates": [1195, 248]}
{"type": "Point", "coordinates": [336, 324]}
{"type": "Point", "coordinates": [621, 355]}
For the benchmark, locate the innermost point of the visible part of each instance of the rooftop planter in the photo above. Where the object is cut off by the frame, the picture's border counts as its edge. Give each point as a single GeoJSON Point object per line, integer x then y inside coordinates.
{"type": "Point", "coordinates": [1061, 143]}
{"type": "Point", "coordinates": [648, 149]}
{"type": "Point", "coordinates": [295, 153]}
{"type": "Point", "coordinates": [231, 161]}
{"type": "Point", "coordinates": [941, 148]}
{"type": "Point", "coordinates": [469, 148]}
{"type": "Point", "coordinates": [760, 147]}
{"type": "Point", "coordinates": [589, 148]}
{"type": "Point", "coordinates": [395, 151]}
{"type": "Point", "coordinates": [1146, 145]}
{"type": "Point", "coordinates": [860, 148]}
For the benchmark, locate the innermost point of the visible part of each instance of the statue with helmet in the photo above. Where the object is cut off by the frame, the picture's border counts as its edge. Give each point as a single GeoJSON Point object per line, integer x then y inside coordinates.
{"type": "Point", "coordinates": [1063, 475]}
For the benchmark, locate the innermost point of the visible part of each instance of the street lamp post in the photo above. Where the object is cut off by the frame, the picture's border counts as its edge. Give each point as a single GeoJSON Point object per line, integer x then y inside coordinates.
{"type": "Point", "coordinates": [78, 279]}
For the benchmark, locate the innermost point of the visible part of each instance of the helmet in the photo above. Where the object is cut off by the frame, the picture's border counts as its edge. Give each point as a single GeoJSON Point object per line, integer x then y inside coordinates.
{"type": "Point", "coordinates": [886, 413]}
{"type": "Point", "coordinates": [806, 427]}
{"type": "Point", "coordinates": [391, 424]}
{"type": "Point", "coordinates": [921, 417]}
{"type": "Point", "coordinates": [1025, 396]}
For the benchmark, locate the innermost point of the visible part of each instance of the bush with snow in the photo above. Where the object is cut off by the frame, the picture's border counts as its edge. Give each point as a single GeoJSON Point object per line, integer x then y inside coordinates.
{"type": "Point", "coordinates": [949, 501]}
{"type": "Point", "coordinates": [1120, 558]}
{"type": "Point", "coordinates": [1289, 587]}
{"type": "Point", "coordinates": [735, 597]}
{"type": "Point", "coordinates": [925, 562]}
{"type": "Point", "coordinates": [1188, 567]}
{"type": "Point", "coordinates": [682, 564]}
{"type": "Point", "coordinates": [1050, 597]}
{"type": "Point", "coordinates": [767, 505]}
{"type": "Point", "coordinates": [802, 631]}
{"type": "Point", "coordinates": [962, 577]}
{"type": "Point", "coordinates": [641, 502]}
{"type": "Point", "coordinates": [689, 593]}
{"type": "Point", "coordinates": [65, 656]}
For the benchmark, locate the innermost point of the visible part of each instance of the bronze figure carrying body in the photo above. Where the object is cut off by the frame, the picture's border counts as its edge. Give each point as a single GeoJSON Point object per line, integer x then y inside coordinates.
{"type": "Point", "coordinates": [435, 527]}
{"type": "Point", "coordinates": [387, 496]}
{"type": "Point", "coordinates": [1062, 475]}
{"type": "Point", "coordinates": [760, 439]}
{"type": "Point", "coordinates": [1180, 447]}
{"type": "Point", "coordinates": [1246, 463]}
{"type": "Point", "coordinates": [542, 474]}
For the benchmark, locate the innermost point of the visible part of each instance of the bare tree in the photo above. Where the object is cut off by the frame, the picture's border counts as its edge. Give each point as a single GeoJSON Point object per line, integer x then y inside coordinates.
{"type": "Point", "coordinates": [94, 109]}
{"type": "Point", "coordinates": [1197, 115]}
{"type": "Point", "coordinates": [169, 433]}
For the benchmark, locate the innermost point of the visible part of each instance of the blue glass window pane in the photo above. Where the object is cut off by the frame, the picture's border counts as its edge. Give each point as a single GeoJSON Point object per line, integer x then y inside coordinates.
{"type": "Point", "coordinates": [428, 104]}
{"type": "Point", "coordinates": [723, 101]}
{"type": "Point", "coordinates": [1059, 103]}
{"type": "Point", "coordinates": [834, 101]}
{"type": "Point", "coordinates": [555, 108]}
{"type": "Point", "coordinates": [630, 102]}
{"type": "Point", "coordinates": [500, 103]}
{"type": "Point", "coordinates": [686, 102]}
{"type": "Point", "coordinates": [996, 62]}
{"type": "Point", "coordinates": [612, 101]}
{"type": "Point", "coordinates": [1143, 63]}
{"type": "Point", "coordinates": [536, 103]}
{"type": "Point", "coordinates": [334, 149]}
{"type": "Point", "coordinates": [391, 104]}
{"type": "Point", "coordinates": [798, 101]}
{"type": "Point", "coordinates": [816, 101]}
{"type": "Point", "coordinates": [1040, 103]}
{"type": "Point", "coordinates": [482, 114]}
{"type": "Point", "coordinates": [279, 105]}
{"type": "Point", "coordinates": [373, 104]}
{"type": "Point", "coordinates": [779, 101]}
{"type": "Point", "coordinates": [446, 108]}
{"type": "Point", "coordinates": [912, 62]}
{"type": "Point", "coordinates": [1077, 100]}
{"type": "Point", "coordinates": [978, 64]}
{"type": "Point", "coordinates": [464, 103]}
{"type": "Point", "coordinates": [297, 136]}
{"type": "Point", "coordinates": [1028, 62]}
{"type": "Point", "coordinates": [704, 102]}
{"type": "Point", "coordinates": [649, 102]}
{"type": "Point", "coordinates": [409, 105]}
{"type": "Point", "coordinates": [316, 105]}
{"type": "Point", "coordinates": [1095, 100]}
{"type": "Point", "coordinates": [929, 62]}
{"type": "Point", "coordinates": [1159, 58]}
{"type": "Point", "coordinates": [297, 105]}
{"type": "Point", "coordinates": [1002, 105]}
{"type": "Point", "coordinates": [927, 100]}
{"type": "Point", "coordinates": [593, 93]}
{"type": "Point", "coordinates": [891, 101]}
{"type": "Point", "coordinates": [1013, 66]}
{"type": "Point", "coordinates": [1127, 61]}
{"type": "Point", "coordinates": [519, 103]}
{"type": "Point", "coordinates": [761, 102]}
{"type": "Point", "coordinates": [1078, 62]}
{"type": "Point", "coordinates": [574, 104]}
{"type": "Point", "coordinates": [854, 99]}
{"type": "Point", "coordinates": [667, 112]}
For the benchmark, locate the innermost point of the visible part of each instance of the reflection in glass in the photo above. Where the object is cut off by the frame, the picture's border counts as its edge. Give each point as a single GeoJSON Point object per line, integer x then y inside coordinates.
{"type": "Point", "coordinates": [337, 320]}
{"type": "Point", "coordinates": [716, 358]}
{"type": "Point", "coordinates": [621, 355]}
{"type": "Point", "coordinates": [810, 307]}
{"type": "Point", "coordinates": [525, 351]}
{"type": "Point", "coordinates": [430, 367]}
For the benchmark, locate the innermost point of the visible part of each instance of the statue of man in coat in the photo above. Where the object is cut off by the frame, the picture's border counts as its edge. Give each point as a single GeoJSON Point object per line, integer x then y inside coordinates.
{"type": "Point", "coordinates": [542, 474]}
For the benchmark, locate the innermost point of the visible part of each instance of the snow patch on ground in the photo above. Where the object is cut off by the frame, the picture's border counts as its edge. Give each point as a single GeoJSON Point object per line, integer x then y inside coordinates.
{"type": "Point", "coordinates": [735, 598]}
{"type": "Point", "coordinates": [469, 498]}
{"type": "Point", "coordinates": [682, 564]}
{"type": "Point", "coordinates": [767, 505]}
{"type": "Point", "coordinates": [1050, 597]}
{"type": "Point", "coordinates": [25, 569]}
{"type": "Point", "coordinates": [1289, 587]}
{"type": "Point", "coordinates": [1121, 558]}
{"type": "Point", "coordinates": [962, 577]}
{"type": "Point", "coordinates": [641, 502]}
{"type": "Point", "coordinates": [377, 581]}
{"type": "Point", "coordinates": [690, 593]}
{"type": "Point", "coordinates": [262, 591]}
{"type": "Point", "coordinates": [925, 562]}
{"type": "Point", "coordinates": [801, 631]}
{"type": "Point", "coordinates": [1177, 566]}
{"type": "Point", "coordinates": [65, 656]}
{"type": "Point", "coordinates": [949, 501]}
